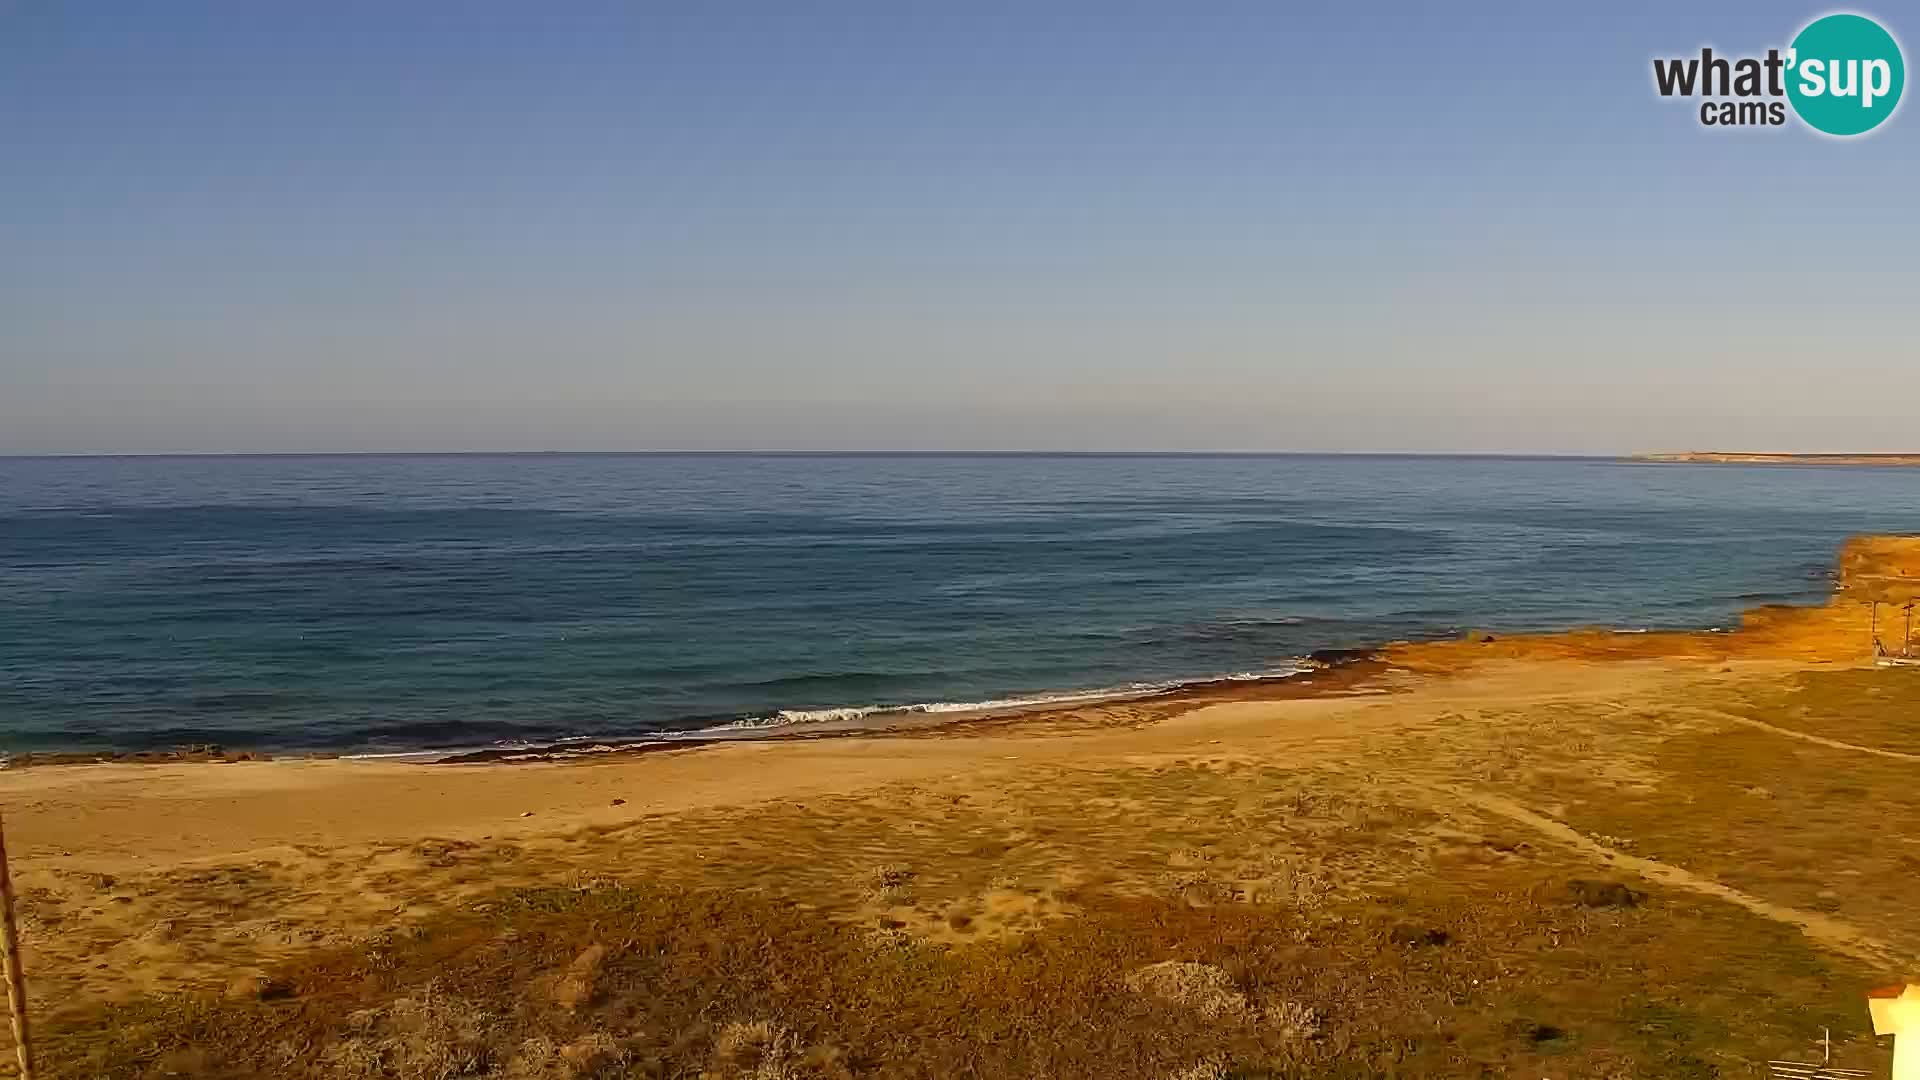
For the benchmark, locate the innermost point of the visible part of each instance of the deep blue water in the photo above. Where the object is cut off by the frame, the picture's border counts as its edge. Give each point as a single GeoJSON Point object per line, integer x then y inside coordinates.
{"type": "Point", "coordinates": [433, 601]}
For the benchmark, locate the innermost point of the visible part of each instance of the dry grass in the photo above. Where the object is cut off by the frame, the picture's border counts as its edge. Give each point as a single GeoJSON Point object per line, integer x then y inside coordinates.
{"type": "Point", "coordinates": [736, 984]}
{"type": "Point", "coordinates": [1796, 823]}
{"type": "Point", "coordinates": [1202, 988]}
{"type": "Point", "coordinates": [1867, 707]}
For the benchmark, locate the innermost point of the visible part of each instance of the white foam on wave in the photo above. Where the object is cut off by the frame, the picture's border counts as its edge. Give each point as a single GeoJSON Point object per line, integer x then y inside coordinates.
{"type": "Point", "coordinates": [851, 713]}
{"type": "Point", "coordinates": [581, 745]}
{"type": "Point", "coordinates": [570, 746]}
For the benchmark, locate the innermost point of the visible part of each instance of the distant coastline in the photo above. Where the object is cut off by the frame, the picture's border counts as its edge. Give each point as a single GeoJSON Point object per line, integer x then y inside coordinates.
{"type": "Point", "coordinates": [1715, 457]}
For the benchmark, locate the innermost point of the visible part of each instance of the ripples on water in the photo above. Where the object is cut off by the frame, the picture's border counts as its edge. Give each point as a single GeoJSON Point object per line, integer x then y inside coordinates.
{"type": "Point", "coordinates": [390, 603]}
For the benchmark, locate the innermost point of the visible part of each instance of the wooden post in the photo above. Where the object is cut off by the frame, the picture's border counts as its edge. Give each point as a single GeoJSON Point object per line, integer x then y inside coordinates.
{"type": "Point", "coordinates": [16, 980]}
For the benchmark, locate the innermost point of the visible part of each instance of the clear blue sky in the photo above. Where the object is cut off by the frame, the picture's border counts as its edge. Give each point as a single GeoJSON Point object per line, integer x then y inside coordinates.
{"type": "Point", "coordinates": [1397, 226]}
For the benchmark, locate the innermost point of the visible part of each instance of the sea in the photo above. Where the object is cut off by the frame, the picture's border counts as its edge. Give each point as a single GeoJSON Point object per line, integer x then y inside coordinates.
{"type": "Point", "coordinates": [374, 604]}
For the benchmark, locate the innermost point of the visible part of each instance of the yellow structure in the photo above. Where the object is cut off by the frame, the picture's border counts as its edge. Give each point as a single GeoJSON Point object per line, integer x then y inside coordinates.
{"type": "Point", "coordinates": [1896, 1012]}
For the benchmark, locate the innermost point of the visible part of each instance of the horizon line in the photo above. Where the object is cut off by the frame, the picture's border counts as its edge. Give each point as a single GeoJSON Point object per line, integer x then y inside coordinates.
{"type": "Point", "coordinates": [774, 452]}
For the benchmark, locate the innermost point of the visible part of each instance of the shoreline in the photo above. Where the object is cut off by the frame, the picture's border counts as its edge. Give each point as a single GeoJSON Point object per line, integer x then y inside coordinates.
{"type": "Point", "coordinates": [877, 719]}
{"type": "Point", "coordinates": [1311, 673]}
{"type": "Point", "coordinates": [854, 720]}
{"type": "Point", "coordinates": [1867, 567]}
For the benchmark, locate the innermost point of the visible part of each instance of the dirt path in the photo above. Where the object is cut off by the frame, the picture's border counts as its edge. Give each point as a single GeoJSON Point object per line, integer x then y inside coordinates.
{"type": "Point", "coordinates": [1821, 740]}
{"type": "Point", "coordinates": [1833, 933]}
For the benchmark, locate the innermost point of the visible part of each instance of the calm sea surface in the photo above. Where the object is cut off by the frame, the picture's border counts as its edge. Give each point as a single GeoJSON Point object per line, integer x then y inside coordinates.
{"type": "Point", "coordinates": [392, 603]}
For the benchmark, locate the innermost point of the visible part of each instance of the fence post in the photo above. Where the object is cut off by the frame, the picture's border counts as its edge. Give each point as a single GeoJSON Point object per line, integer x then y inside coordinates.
{"type": "Point", "coordinates": [16, 980]}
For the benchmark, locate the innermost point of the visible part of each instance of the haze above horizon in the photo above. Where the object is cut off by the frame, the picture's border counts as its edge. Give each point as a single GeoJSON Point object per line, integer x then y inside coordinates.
{"type": "Point", "coordinates": [225, 228]}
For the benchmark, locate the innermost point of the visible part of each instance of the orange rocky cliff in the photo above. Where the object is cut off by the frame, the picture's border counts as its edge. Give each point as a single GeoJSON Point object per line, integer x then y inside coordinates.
{"type": "Point", "coordinates": [1871, 568]}
{"type": "Point", "coordinates": [1885, 568]}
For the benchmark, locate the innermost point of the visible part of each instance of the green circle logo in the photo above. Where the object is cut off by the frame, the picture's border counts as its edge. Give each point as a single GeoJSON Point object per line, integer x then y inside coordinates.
{"type": "Point", "coordinates": [1845, 74]}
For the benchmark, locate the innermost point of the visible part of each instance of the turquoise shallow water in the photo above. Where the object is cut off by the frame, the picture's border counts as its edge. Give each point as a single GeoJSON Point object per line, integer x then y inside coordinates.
{"type": "Point", "coordinates": [372, 603]}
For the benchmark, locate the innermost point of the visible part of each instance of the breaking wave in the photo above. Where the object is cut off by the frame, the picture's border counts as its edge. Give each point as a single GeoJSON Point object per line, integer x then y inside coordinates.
{"type": "Point", "coordinates": [852, 713]}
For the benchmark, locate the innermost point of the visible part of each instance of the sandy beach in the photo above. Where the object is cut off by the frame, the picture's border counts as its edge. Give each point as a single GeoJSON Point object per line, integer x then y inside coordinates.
{"type": "Point", "coordinates": [1583, 854]}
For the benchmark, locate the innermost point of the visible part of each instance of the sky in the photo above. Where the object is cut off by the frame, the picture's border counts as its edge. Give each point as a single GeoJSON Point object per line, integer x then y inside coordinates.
{"type": "Point", "coordinates": [1386, 227]}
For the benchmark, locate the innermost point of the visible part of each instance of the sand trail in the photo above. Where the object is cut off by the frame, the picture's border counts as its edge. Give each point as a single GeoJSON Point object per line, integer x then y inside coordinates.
{"type": "Point", "coordinates": [1821, 740]}
{"type": "Point", "coordinates": [1831, 932]}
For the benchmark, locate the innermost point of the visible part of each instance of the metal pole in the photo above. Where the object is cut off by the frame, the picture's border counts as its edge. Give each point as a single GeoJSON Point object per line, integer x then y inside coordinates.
{"type": "Point", "coordinates": [16, 980]}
